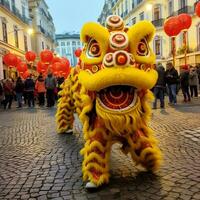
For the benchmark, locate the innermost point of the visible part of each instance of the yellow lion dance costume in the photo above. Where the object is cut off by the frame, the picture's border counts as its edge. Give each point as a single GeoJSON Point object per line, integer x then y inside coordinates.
{"type": "Point", "coordinates": [109, 90]}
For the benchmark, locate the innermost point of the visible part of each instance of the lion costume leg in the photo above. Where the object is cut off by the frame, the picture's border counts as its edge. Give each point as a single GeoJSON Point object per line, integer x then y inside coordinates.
{"type": "Point", "coordinates": [144, 150]}
{"type": "Point", "coordinates": [96, 154]}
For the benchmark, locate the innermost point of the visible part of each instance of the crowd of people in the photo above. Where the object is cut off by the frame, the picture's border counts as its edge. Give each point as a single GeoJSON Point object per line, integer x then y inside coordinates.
{"type": "Point", "coordinates": [29, 91]}
{"type": "Point", "coordinates": [170, 82]}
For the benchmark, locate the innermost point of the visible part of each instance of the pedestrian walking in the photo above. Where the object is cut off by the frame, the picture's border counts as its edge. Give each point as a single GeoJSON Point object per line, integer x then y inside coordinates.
{"type": "Point", "coordinates": [19, 89]}
{"type": "Point", "coordinates": [184, 82]}
{"type": "Point", "coordinates": [193, 82]}
{"type": "Point", "coordinates": [50, 84]}
{"type": "Point", "coordinates": [41, 90]}
{"type": "Point", "coordinates": [171, 77]}
{"type": "Point", "coordinates": [159, 88]}
{"type": "Point", "coordinates": [8, 88]}
{"type": "Point", "coordinates": [29, 87]}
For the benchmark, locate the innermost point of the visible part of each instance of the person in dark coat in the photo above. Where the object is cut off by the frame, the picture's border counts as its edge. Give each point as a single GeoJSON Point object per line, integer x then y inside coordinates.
{"type": "Point", "coordinates": [184, 82]}
{"type": "Point", "coordinates": [159, 88]}
{"type": "Point", "coordinates": [171, 77]}
{"type": "Point", "coordinates": [29, 87]}
{"type": "Point", "coordinates": [193, 82]}
{"type": "Point", "coordinates": [8, 88]}
{"type": "Point", "coordinates": [19, 89]}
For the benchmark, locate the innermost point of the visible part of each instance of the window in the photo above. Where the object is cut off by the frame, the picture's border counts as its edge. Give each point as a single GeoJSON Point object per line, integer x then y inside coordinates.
{"type": "Point", "coordinates": [47, 47]}
{"type": "Point", "coordinates": [23, 11]}
{"type": "Point", "coordinates": [170, 7]}
{"type": "Point", "coordinates": [182, 3]}
{"type": "Point", "coordinates": [42, 45]}
{"type": "Point", "coordinates": [157, 46]}
{"type": "Point", "coordinates": [139, 1]}
{"type": "Point", "coordinates": [133, 20]}
{"type": "Point", "coordinates": [16, 37]}
{"type": "Point", "coordinates": [142, 16]}
{"type": "Point", "coordinates": [62, 43]}
{"type": "Point", "coordinates": [25, 43]}
{"type": "Point", "coordinates": [73, 43]}
{"type": "Point", "coordinates": [156, 12]}
{"type": "Point", "coordinates": [4, 30]}
{"type": "Point", "coordinates": [78, 43]}
{"type": "Point", "coordinates": [68, 43]}
{"type": "Point", "coordinates": [63, 52]}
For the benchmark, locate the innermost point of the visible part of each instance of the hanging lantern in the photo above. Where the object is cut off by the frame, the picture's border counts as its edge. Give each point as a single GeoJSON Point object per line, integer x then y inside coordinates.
{"type": "Point", "coordinates": [25, 74]}
{"type": "Point", "coordinates": [66, 61]}
{"type": "Point", "coordinates": [185, 20]}
{"type": "Point", "coordinates": [172, 26]}
{"type": "Point", "coordinates": [22, 67]}
{"type": "Point", "coordinates": [10, 60]}
{"type": "Point", "coordinates": [197, 9]}
{"type": "Point", "coordinates": [41, 67]}
{"type": "Point", "coordinates": [18, 61]}
{"type": "Point", "coordinates": [78, 52]}
{"type": "Point", "coordinates": [56, 59]}
{"type": "Point", "coordinates": [46, 56]}
{"type": "Point", "coordinates": [57, 67]}
{"type": "Point", "coordinates": [30, 56]}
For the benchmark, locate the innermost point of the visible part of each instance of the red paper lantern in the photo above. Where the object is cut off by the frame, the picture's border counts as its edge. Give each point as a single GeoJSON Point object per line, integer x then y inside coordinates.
{"type": "Point", "coordinates": [185, 20]}
{"type": "Point", "coordinates": [22, 67]}
{"type": "Point", "coordinates": [197, 9]}
{"type": "Point", "coordinates": [25, 74]}
{"type": "Point", "coordinates": [56, 59]}
{"type": "Point", "coordinates": [18, 61]}
{"type": "Point", "coordinates": [56, 67]}
{"type": "Point", "coordinates": [46, 56]}
{"type": "Point", "coordinates": [30, 56]}
{"type": "Point", "coordinates": [66, 61]}
{"type": "Point", "coordinates": [10, 60]}
{"type": "Point", "coordinates": [78, 52]}
{"type": "Point", "coordinates": [41, 67]}
{"type": "Point", "coordinates": [172, 26]}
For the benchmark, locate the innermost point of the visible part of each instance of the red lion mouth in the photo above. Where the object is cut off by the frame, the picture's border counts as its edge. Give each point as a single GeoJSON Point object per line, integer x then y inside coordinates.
{"type": "Point", "coordinates": [118, 97]}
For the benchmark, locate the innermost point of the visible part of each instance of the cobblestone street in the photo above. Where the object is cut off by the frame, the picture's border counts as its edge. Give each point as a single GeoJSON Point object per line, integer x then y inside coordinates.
{"type": "Point", "coordinates": [37, 163]}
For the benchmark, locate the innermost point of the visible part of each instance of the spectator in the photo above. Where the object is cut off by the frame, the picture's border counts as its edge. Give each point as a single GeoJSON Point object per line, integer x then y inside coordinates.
{"type": "Point", "coordinates": [40, 87]}
{"type": "Point", "coordinates": [193, 82]}
{"type": "Point", "coordinates": [171, 77]}
{"type": "Point", "coordinates": [1, 93]}
{"type": "Point", "coordinates": [184, 81]}
{"type": "Point", "coordinates": [29, 87]}
{"type": "Point", "coordinates": [50, 84]}
{"type": "Point", "coordinates": [8, 88]}
{"type": "Point", "coordinates": [19, 89]}
{"type": "Point", "coordinates": [159, 88]}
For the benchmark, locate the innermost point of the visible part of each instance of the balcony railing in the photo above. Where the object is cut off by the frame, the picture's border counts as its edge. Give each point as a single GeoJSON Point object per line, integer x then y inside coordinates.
{"type": "Point", "coordinates": [14, 10]}
{"type": "Point", "coordinates": [186, 9]}
{"type": "Point", "coordinates": [158, 22]}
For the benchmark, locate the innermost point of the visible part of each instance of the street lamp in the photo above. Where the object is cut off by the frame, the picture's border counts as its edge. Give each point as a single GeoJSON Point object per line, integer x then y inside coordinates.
{"type": "Point", "coordinates": [30, 31]}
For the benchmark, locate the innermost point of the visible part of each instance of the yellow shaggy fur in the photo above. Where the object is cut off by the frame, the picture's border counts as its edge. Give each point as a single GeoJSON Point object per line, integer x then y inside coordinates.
{"type": "Point", "coordinates": [101, 126]}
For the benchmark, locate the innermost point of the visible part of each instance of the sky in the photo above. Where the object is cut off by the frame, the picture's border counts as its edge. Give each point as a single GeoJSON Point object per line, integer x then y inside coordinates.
{"type": "Point", "coordinates": [70, 15]}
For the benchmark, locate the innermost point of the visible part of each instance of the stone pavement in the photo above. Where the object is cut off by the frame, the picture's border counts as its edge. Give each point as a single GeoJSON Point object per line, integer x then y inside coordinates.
{"type": "Point", "coordinates": [37, 163]}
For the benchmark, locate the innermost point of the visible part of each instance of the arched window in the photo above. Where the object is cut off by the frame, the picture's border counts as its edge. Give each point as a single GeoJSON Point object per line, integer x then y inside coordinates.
{"type": "Point", "coordinates": [158, 46]}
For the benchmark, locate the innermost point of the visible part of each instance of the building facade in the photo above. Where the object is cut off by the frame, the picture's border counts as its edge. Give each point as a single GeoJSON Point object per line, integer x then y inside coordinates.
{"type": "Point", "coordinates": [14, 26]}
{"type": "Point", "coordinates": [67, 45]}
{"type": "Point", "coordinates": [157, 11]}
{"type": "Point", "coordinates": [106, 11]}
{"type": "Point", "coordinates": [43, 26]}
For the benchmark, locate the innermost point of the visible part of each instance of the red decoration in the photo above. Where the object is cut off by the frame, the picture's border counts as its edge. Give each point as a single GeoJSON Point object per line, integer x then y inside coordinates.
{"type": "Point", "coordinates": [185, 20]}
{"type": "Point", "coordinates": [25, 74]}
{"type": "Point", "coordinates": [197, 9]}
{"type": "Point", "coordinates": [30, 56]}
{"type": "Point", "coordinates": [18, 61]}
{"type": "Point", "coordinates": [41, 67]}
{"type": "Point", "coordinates": [56, 67]}
{"type": "Point", "coordinates": [56, 59]}
{"type": "Point", "coordinates": [22, 67]}
{"type": "Point", "coordinates": [172, 26]}
{"type": "Point", "coordinates": [46, 56]}
{"type": "Point", "coordinates": [10, 60]}
{"type": "Point", "coordinates": [78, 52]}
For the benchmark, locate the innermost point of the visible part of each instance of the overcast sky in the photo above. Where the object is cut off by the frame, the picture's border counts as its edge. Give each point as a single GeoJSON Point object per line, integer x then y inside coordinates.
{"type": "Point", "coordinates": [70, 15]}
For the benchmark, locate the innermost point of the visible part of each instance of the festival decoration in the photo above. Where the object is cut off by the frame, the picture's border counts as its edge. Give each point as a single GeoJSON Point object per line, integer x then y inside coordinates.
{"type": "Point", "coordinates": [30, 56]}
{"type": "Point", "coordinates": [110, 91]}
{"type": "Point", "coordinates": [46, 56]}
{"type": "Point", "coordinates": [10, 60]}
{"type": "Point", "coordinates": [22, 67]}
{"type": "Point", "coordinates": [25, 74]}
{"type": "Point", "coordinates": [56, 59]}
{"type": "Point", "coordinates": [172, 28]}
{"type": "Point", "coordinates": [186, 21]}
{"type": "Point", "coordinates": [41, 67]}
{"type": "Point", "coordinates": [78, 52]}
{"type": "Point", "coordinates": [197, 9]}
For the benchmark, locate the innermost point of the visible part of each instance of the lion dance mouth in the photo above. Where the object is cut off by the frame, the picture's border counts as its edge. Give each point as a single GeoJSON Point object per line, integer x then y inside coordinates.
{"type": "Point", "coordinates": [117, 97]}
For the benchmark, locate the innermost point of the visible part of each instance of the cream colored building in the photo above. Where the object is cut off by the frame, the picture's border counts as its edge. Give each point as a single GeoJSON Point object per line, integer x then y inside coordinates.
{"type": "Point", "coordinates": [43, 26]}
{"type": "Point", "coordinates": [157, 11]}
{"type": "Point", "coordinates": [14, 26]}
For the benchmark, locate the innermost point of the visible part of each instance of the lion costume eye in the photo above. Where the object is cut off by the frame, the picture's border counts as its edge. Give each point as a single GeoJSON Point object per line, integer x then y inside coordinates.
{"type": "Point", "coordinates": [142, 49]}
{"type": "Point", "coordinates": [93, 49]}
